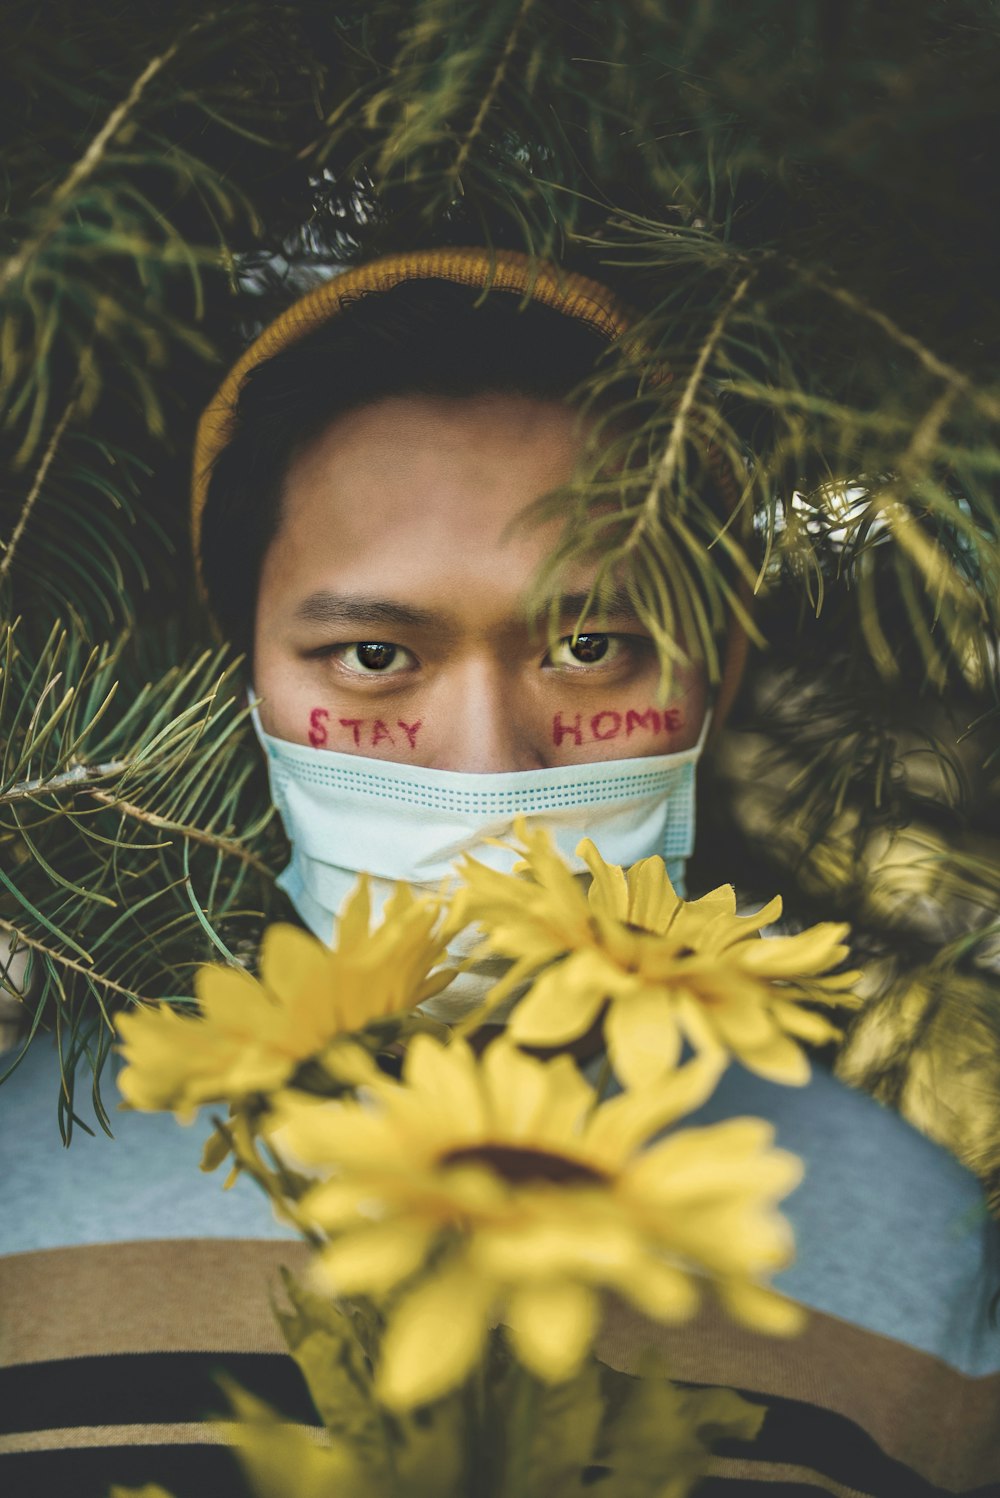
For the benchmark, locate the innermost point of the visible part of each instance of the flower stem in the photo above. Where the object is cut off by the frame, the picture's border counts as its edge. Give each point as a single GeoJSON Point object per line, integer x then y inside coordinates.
{"type": "Point", "coordinates": [603, 1082]}
{"type": "Point", "coordinates": [520, 1434]}
{"type": "Point", "coordinates": [476, 1432]}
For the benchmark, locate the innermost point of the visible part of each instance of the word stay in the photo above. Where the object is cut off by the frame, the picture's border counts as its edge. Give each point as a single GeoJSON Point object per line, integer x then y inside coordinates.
{"type": "Point", "coordinates": [368, 731]}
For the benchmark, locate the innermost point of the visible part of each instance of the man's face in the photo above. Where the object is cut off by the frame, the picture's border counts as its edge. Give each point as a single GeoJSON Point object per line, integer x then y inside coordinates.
{"type": "Point", "coordinates": [391, 616]}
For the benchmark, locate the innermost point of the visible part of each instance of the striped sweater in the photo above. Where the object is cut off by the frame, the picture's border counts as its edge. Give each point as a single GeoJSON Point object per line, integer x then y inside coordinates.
{"type": "Point", "coordinates": [128, 1280]}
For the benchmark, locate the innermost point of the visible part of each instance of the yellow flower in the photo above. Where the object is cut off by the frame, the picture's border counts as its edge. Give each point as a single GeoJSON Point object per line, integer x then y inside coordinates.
{"type": "Point", "coordinates": [502, 1186]}
{"type": "Point", "coordinates": [658, 969]}
{"type": "Point", "coordinates": [251, 1035]}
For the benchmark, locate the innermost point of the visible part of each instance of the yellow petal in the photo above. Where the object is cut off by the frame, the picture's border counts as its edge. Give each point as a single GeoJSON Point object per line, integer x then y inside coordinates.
{"type": "Point", "coordinates": [549, 867]}
{"type": "Point", "coordinates": [695, 914]}
{"type": "Point", "coordinates": [833, 988]}
{"type": "Point", "coordinates": [290, 960]}
{"type": "Point", "coordinates": [664, 1292]}
{"type": "Point", "coordinates": [734, 1156]}
{"type": "Point", "coordinates": [562, 1004]}
{"type": "Point", "coordinates": [804, 1024]}
{"type": "Point", "coordinates": [534, 1098]}
{"type": "Point", "coordinates": [355, 917]}
{"type": "Point", "coordinates": [652, 898]}
{"type": "Point", "coordinates": [516, 1087]}
{"type": "Point", "coordinates": [586, 1248]}
{"type": "Point", "coordinates": [793, 956]}
{"type": "Point", "coordinates": [445, 1075]}
{"type": "Point", "coordinates": [767, 915]}
{"type": "Point", "coordinates": [552, 1325]}
{"type": "Point", "coordinates": [179, 1062]}
{"type": "Point", "coordinates": [226, 993]}
{"type": "Point", "coordinates": [349, 1063]}
{"type": "Point", "coordinates": [570, 1099]}
{"type": "Point", "coordinates": [373, 1260]}
{"type": "Point", "coordinates": [741, 928]}
{"type": "Point", "coordinates": [619, 1126]}
{"type": "Point", "coordinates": [696, 1022]}
{"type": "Point", "coordinates": [609, 887]}
{"type": "Point", "coordinates": [338, 1204]}
{"type": "Point", "coordinates": [780, 1060]}
{"type": "Point", "coordinates": [765, 1309]}
{"type": "Point", "coordinates": [741, 1025]}
{"type": "Point", "coordinates": [332, 1133]}
{"type": "Point", "coordinates": [642, 1038]}
{"type": "Point", "coordinates": [731, 1238]}
{"type": "Point", "coordinates": [515, 977]}
{"type": "Point", "coordinates": [403, 904]}
{"type": "Point", "coordinates": [434, 1337]}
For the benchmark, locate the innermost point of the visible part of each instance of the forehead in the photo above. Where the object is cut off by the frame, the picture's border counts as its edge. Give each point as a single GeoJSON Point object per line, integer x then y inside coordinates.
{"type": "Point", "coordinates": [417, 495]}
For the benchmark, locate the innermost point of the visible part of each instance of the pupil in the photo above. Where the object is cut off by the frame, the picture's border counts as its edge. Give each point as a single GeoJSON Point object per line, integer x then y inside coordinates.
{"type": "Point", "coordinates": [376, 657]}
{"type": "Point", "coordinates": [590, 647]}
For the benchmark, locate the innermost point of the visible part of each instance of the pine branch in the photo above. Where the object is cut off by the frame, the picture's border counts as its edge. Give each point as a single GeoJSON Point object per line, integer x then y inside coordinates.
{"type": "Point", "coordinates": [188, 833]}
{"type": "Point", "coordinates": [666, 468]}
{"type": "Point", "coordinates": [110, 916]}
{"type": "Point", "coordinates": [986, 400]}
{"type": "Point", "coordinates": [492, 90]}
{"type": "Point", "coordinates": [84, 168]}
{"type": "Point", "coordinates": [75, 779]}
{"type": "Point", "coordinates": [37, 484]}
{"type": "Point", "coordinates": [69, 964]}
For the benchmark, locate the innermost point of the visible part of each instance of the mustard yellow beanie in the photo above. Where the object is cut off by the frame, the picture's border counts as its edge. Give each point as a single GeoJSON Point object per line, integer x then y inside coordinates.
{"type": "Point", "coordinates": [573, 295]}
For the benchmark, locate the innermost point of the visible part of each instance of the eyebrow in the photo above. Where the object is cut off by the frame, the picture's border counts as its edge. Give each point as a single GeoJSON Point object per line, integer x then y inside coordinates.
{"type": "Point", "coordinates": [326, 608]}
{"type": "Point", "coordinates": [616, 603]}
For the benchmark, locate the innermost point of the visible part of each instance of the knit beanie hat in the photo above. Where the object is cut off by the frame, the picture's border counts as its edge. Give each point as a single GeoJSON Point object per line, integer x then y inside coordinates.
{"type": "Point", "coordinates": [569, 293]}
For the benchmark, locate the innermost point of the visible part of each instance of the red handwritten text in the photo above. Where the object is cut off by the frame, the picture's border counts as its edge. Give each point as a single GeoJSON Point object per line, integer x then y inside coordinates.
{"type": "Point", "coordinates": [367, 732]}
{"type": "Point", "coordinates": [317, 727]}
{"type": "Point", "coordinates": [609, 724]}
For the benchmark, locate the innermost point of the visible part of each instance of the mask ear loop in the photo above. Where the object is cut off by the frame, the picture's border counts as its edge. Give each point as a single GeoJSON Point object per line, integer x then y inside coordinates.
{"type": "Point", "coordinates": [253, 702]}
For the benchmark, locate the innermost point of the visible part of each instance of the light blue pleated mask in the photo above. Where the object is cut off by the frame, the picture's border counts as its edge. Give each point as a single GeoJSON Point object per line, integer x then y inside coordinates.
{"type": "Point", "coordinates": [345, 814]}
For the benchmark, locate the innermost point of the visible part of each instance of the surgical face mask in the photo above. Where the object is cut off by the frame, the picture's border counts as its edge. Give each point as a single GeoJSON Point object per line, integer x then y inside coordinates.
{"type": "Point", "coordinates": [345, 814]}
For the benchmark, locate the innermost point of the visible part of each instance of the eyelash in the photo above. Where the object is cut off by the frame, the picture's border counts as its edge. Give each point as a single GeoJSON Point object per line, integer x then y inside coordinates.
{"type": "Point", "coordinates": [612, 653]}
{"type": "Point", "coordinates": [339, 651]}
{"type": "Point", "coordinates": [620, 644]}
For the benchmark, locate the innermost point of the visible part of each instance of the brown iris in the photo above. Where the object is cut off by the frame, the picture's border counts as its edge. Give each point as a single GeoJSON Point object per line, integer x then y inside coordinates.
{"type": "Point", "coordinates": [376, 655]}
{"type": "Point", "coordinates": [590, 647]}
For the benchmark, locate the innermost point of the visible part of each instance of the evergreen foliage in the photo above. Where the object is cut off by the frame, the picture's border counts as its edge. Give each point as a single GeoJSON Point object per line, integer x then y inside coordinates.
{"type": "Point", "coordinates": [799, 199]}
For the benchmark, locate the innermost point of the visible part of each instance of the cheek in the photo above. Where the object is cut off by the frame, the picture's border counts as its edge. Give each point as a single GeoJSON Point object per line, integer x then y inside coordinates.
{"type": "Point", "coordinates": [625, 722]}
{"type": "Point", "coordinates": [291, 706]}
{"type": "Point", "coordinates": [306, 721]}
{"type": "Point", "coordinates": [328, 730]}
{"type": "Point", "coordinates": [639, 729]}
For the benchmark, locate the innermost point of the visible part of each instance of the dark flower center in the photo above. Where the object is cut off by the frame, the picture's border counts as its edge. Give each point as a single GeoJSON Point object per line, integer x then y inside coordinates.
{"type": "Point", "coordinates": [645, 931]}
{"type": "Point", "coordinates": [519, 1166]}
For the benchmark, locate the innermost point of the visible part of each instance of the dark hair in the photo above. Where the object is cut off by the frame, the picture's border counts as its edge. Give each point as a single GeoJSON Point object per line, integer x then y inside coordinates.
{"type": "Point", "coordinates": [429, 337]}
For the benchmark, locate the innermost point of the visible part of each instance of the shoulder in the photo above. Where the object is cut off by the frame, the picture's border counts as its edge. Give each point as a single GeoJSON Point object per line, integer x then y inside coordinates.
{"type": "Point", "coordinates": [144, 1183]}
{"type": "Point", "coordinates": [892, 1233]}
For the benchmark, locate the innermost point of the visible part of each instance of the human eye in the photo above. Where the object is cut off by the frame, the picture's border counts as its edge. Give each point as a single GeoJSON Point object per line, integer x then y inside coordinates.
{"type": "Point", "coordinates": [372, 658]}
{"type": "Point", "coordinates": [594, 651]}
